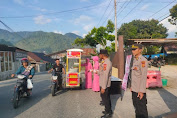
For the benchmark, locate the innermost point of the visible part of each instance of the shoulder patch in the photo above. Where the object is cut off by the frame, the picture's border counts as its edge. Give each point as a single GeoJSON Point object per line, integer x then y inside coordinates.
{"type": "Point", "coordinates": [143, 63]}
{"type": "Point", "coordinates": [104, 66]}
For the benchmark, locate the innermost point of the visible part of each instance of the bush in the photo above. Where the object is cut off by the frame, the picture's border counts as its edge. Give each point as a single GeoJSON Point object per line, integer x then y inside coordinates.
{"type": "Point", "coordinates": [149, 50]}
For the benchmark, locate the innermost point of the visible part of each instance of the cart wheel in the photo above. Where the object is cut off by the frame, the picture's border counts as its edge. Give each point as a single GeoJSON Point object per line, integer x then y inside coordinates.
{"type": "Point", "coordinates": [80, 83]}
{"type": "Point", "coordinates": [81, 86]}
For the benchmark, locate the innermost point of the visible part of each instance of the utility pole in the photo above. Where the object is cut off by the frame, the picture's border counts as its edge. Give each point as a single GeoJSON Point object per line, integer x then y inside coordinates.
{"type": "Point", "coordinates": [115, 25]}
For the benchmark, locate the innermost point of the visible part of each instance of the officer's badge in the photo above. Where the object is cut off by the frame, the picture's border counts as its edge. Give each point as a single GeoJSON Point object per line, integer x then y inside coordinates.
{"type": "Point", "coordinates": [143, 63]}
{"type": "Point", "coordinates": [104, 67]}
{"type": "Point", "coordinates": [133, 46]}
{"type": "Point", "coordinates": [102, 61]}
{"type": "Point", "coordinates": [135, 68]}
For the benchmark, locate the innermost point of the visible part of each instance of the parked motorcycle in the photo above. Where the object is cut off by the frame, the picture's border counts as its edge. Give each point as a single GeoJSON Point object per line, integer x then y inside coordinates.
{"type": "Point", "coordinates": [162, 61]}
{"type": "Point", "coordinates": [156, 62]}
{"type": "Point", "coordinates": [149, 64]}
{"type": "Point", "coordinates": [19, 90]}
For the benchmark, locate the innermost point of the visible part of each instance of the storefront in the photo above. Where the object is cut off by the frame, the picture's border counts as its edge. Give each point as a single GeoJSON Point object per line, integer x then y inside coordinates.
{"type": "Point", "coordinates": [6, 61]}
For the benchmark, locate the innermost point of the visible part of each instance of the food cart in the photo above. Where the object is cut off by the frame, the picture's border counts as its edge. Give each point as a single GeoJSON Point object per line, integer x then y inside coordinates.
{"type": "Point", "coordinates": [73, 68]}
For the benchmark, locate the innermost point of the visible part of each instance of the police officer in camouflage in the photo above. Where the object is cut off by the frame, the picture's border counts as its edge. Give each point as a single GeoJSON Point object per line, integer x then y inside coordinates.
{"type": "Point", "coordinates": [138, 81]}
{"type": "Point", "coordinates": [105, 71]}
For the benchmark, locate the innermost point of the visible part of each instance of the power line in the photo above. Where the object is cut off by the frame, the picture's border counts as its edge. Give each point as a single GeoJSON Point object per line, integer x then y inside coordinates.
{"type": "Point", "coordinates": [131, 10]}
{"type": "Point", "coordinates": [64, 11]}
{"type": "Point", "coordinates": [162, 9]}
{"type": "Point", "coordinates": [124, 7]}
{"type": "Point", "coordinates": [6, 26]}
{"type": "Point", "coordinates": [163, 16]}
{"type": "Point", "coordinates": [11, 29]}
{"type": "Point", "coordinates": [108, 15]}
{"type": "Point", "coordinates": [104, 12]}
{"type": "Point", "coordinates": [145, 2]}
{"type": "Point", "coordinates": [112, 12]}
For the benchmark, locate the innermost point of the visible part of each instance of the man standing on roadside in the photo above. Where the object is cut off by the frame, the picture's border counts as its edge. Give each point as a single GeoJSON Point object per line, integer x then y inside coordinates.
{"type": "Point", "coordinates": [138, 81]}
{"type": "Point", "coordinates": [105, 82]}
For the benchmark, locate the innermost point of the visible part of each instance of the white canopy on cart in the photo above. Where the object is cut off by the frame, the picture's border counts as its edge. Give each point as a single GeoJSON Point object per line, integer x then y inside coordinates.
{"type": "Point", "coordinates": [75, 50]}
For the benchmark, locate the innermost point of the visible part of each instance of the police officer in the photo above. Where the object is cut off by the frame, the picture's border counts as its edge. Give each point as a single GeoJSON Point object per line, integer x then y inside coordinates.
{"type": "Point", "coordinates": [138, 81]}
{"type": "Point", "coordinates": [105, 82]}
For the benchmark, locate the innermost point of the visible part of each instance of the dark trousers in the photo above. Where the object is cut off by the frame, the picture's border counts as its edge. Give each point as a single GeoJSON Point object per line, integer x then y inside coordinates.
{"type": "Point", "coordinates": [140, 105]}
{"type": "Point", "coordinates": [60, 81]}
{"type": "Point", "coordinates": [101, 95]}
{"type": "Point", "coordinates": [25, 85]}
{"type": "Point", "coordinates": [107, 100]}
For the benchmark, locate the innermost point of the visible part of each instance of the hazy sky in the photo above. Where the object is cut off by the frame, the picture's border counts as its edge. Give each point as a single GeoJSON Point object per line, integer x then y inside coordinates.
{"type": "Point", "coordinates": [79, 16]}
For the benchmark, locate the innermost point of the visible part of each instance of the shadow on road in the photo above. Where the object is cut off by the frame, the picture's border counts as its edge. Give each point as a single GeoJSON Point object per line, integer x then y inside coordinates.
{"type": "Point", "coordinates": [39, 92]}
{"type": "Point", "coordinates": [61, 92]}
{"type": "Point", "coordinates": [170, 100]}
{"type": "Point", "coordinates": [114, 99]}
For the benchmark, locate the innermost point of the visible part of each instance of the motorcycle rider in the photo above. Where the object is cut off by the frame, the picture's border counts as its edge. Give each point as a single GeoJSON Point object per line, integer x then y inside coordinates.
{"type": "Point", "coordinates": [58, 69]}
{"type": "Point", "coordinates": [28, 71]}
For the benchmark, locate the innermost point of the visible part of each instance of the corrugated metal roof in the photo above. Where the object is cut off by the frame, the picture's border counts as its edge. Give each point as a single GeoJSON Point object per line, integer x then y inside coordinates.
{"type": "Point", "coordinates": [6, 48]}
{"type": "Point", "coordinates": [40, 57]}
{"type": "Point", "coordinates": [153, 41]}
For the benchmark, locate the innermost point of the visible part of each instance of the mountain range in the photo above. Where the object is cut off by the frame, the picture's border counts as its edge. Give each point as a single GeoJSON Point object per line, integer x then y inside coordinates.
{"type": "Point", "coordinates": [38, 41]}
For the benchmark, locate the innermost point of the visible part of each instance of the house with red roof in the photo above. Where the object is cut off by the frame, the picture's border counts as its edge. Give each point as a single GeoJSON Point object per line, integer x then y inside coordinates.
{"type": "Point", "coordinates": [41, 62]}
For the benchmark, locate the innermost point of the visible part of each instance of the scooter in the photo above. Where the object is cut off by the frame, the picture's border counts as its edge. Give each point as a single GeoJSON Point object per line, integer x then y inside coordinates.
{"type": "Point", "coordinates": [156, 62]}
{"type": "Point", "coordinates": [19, 90]}
{"type": "Point", "coordinates": [55, 84]}
{"type": "Point", "coordinates": [162, 61]}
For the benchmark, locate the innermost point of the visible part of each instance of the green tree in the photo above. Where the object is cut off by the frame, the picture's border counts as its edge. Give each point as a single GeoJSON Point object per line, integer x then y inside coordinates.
{"type": "Point", "coordinates": [64, 59]}
{"type": "Point", "coordinates": [97, 36]}
{"type": "Point", "coordinates": [151, 50]}
{"type": "Point", "coordinates": [80, 42]}
{"type": "Point", "coordinates": [111, 48]}
{"type": "Point", "coordinates": [140, 29]}
{"type": "Point", "coordinates": [173, 14]}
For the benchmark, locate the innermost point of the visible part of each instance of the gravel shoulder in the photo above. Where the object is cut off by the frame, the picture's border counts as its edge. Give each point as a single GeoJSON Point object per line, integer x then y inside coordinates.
{"type": "Point", "coordinates": [168, 72]}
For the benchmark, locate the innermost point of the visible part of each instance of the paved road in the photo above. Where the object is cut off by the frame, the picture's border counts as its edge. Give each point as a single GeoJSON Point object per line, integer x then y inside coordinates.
{"type": "Point", "coordinates": [67, 103]}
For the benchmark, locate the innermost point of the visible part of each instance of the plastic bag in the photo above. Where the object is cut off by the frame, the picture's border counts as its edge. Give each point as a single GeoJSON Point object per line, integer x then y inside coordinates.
{"type": "Point", "coordinates": [29, 84]}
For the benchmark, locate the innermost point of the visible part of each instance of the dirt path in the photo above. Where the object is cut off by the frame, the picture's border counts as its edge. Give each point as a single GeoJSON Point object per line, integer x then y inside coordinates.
{"type": "Point", "coordinates": [168, 72]}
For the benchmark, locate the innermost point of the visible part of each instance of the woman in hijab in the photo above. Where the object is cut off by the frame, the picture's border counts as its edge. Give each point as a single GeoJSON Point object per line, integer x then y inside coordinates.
{"type": "Point", "coordinates": [95, 86]}
{"type": "Point", "coordinates": [88, 74]}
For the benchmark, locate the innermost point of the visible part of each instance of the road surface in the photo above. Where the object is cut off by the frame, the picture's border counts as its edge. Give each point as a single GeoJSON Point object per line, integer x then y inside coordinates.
{"type": "Point", "coordinates": [67, 103]}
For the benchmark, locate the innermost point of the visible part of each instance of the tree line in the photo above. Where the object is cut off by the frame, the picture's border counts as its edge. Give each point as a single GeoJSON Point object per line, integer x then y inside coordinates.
{"type": "Point", "coordinates": [136, 29]}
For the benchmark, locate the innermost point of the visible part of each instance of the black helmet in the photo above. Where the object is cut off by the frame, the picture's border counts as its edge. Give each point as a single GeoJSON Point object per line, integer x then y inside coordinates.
{"type": "Point", "coordinates": [24, 60]}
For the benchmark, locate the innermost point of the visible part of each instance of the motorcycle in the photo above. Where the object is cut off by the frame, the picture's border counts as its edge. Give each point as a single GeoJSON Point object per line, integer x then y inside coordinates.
{"type": "Point", "coordinates": [162, 61]}
{"type": "Point", "coordinates": [19, 90]}
{"type": "Point", "coordinates": [149, 64]}
{"type": "Point", "coordinates": [55, 84]}
{"type": "Point", "coordinates": [156, 62]}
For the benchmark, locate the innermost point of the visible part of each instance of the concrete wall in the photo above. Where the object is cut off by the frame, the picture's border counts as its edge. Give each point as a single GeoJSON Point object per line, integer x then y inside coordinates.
{"type": "Point", "coordinates": [7, 74]}
{"type": "Point", "coordinates": [40, 67]}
